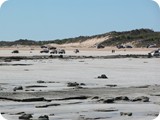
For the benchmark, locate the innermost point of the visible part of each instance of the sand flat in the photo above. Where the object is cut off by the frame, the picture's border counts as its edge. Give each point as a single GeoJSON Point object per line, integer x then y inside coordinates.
{"type": "Point", "coordinates": [133, 76]}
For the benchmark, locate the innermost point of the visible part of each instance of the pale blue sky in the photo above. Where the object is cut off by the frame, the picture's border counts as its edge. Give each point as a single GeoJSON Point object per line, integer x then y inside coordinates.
{"type": "Point", "coordinates": [57, 19]}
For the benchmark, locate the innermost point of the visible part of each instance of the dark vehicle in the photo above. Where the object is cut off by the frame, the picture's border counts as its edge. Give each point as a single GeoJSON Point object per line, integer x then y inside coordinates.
{"type": "Point", "coordinates": [120, 46]}
{"type": "Point", "coordinates": [52, 48]}
{"type": "Point", "coordinates": [15, 51]}
{"type": "Point", "coordinates": [129, 46]}
{"type": "Point", "coordinates": [53, 52]}
{"type": "Point", "coordinates": [44, 51]}
{"type": "Point", "coordinates": [62, 51]}
{"type": "Point", "coordinates": [44, 46]}
{"type": "Point", "coordinates": [100, 46]}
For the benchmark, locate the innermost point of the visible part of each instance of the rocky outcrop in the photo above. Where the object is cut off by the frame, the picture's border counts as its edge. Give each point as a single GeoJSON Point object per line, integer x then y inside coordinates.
{"type": "Point", "coordinates": [35, 86]}
{"type": "Point", "coordinates": [141, 98]}
{"type": "Point", "coordinates": [125, 98]}
{"type": "Point", "coordinates": [45, 117]}
{"type": "Point", "coordinates": [45, 106]}
{"type": "Point", "coordinates": [103, 76]}
{"type": "Point", "coordinates": [72, 84]}
{"type": "Point", "coordinates": [18, 88]}
{"type": "Point", "coordinates": [25, 100]}
{"type": "Point", "coordinates": [25, 116]}
{"type": "Point", "coordinates": [111, 85]}
{"type": "Point", "coordinates": [125, 113]}
{"type": "Point", "coordinates": [75, 84]}
{"type": "Point", "coordinates": [75, 98]}
{"type": "Point", "coordinates": [109, 100]}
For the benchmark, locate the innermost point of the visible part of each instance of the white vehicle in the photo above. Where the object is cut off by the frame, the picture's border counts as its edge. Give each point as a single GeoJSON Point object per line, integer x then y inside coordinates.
{"type": "Point", "coordinates": [155, 53]}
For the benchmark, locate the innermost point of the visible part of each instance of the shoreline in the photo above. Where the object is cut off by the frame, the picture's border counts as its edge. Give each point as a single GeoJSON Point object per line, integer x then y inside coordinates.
{"type": "Point", "coordinates": [36, 57]}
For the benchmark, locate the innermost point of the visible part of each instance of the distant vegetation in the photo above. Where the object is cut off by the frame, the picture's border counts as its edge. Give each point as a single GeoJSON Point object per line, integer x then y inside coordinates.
{"type": "Point", "coordinates": [138, 38]}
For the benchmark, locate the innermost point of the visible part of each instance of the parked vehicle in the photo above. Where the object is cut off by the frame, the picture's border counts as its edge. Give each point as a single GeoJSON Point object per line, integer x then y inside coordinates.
{"type": "Point", "coordinates": [152, 46]}
{"type": "Point", "coordinates": [43, 47]}
{"type": "Point", "coordinates": [52, 48]}
{"type": "Point", "coordinates": [61, 51]}
{"type": "Point", "coordinates": [128, 46]}
{"type": "Point", "coordinates": [154, 53]}
{"type": "Point", "coordinates": [120, 46]}
{"type": "Point", "coordinates": [100, 46]}
{"type": "Point", "coordinates": [15, 51]}
{"type": "Point", "coordinates": [44, 51]}
{"type": "Point", "coordinates": [53, 51]}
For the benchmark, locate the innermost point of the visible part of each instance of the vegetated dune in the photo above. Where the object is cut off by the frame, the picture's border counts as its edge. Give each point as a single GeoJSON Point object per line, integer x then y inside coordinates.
{"type": "Point", "coordinates": [90, 42]}
{"type": "Point", "coordinates": [137, 38]}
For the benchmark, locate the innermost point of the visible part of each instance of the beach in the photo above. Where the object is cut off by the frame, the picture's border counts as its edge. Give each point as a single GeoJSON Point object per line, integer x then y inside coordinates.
{"type": "Point", "coordinates": [72, 87]}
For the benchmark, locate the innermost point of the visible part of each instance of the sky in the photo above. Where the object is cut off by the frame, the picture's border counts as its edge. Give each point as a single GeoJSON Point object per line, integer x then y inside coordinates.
{"type": "Point", "coordinates": [59, 19]}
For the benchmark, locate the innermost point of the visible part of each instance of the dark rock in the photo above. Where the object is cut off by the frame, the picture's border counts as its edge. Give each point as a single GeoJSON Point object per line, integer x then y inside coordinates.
{"type": "Point", "coordinates": [125, 113]}
{"type": "Point", "coordinates": [51, 114]}
{"type": "Point", "coordinates": [25, 100]}
{"type": "Point", "coordinates": [72, 103]}
{"type": "Point", "coordinates": [7, 60]}
{"type": "Point", "coordinates": [78, 87]}
{"type": "Point", "coordinates": [103, 76]}
{"type": "Point", "coordinates": [73, 84]}
{"type": "Point", "coordinates": [25, 116]}
{"type": "Point", "coordinates": [52, 82]}
{"type": "Point", "coordinates": [96, 97]}
{"type": "Point", "coordinates": [122, 98]}
{"type": "Point", "coordinates": [35, 86]}
{"type": "Point", "coordinates": [74, 98]}
{"type": "Point", "coordinates": [141, 98]}
{"type": "Point", "coordinates": [18, 88]}
{"type": "Point", "coordinates": [45, 106]}
{"type": "Point", "coordinates": [111, 85]}
{"type": "Point", "coordinates": [83, 84]}
{"type": "Point", "coordinates": [153, 114]}
{"type": "Point", "coordinates": [45, 117]}
{"type": "Point", "coordinates": [19, 113]}
{"type": "Point", "coordinates": [33, 99]}
{"type": "Point", "coordinates": [40, 81]}
{"type": "Point", "coordinates": [110, 100]}
{"type": "Point", "coordinates": [30, 90]}
{"type": "Point", "coordinates": [100, 100]}
{"type": "Point", "coordinates": [107, 110]}
{"type": "Point", "coordinates": [145, 86]}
